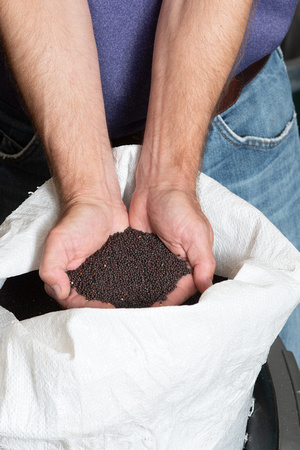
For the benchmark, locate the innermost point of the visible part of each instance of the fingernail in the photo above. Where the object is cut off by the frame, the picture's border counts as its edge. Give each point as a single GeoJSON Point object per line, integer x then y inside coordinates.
{"type": "Point", "coordinates": [56, 289]}
{"type": "Point", "coordinates": [209, 283]}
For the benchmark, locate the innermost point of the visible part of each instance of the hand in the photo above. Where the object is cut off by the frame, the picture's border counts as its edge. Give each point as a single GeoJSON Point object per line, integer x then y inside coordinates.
{"type": "Point", "coordinates": [83, 228]}
{"type": "Point", "coordinates": [174, 214]}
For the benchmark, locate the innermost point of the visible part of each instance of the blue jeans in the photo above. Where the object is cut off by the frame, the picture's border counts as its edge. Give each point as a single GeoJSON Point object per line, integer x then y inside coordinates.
{"type": "Point", "coordinates": [253, 149]}
{"type": "Point", "coordinates": [23, 165]}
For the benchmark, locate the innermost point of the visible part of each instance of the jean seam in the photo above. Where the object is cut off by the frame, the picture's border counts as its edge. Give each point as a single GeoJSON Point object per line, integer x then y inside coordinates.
{"type": "Point", "coordinates": [262, 147]}
{"type": "Point", "coordinates": [279, 53]}
{"type": "Point", "coordinates": [21, 153]}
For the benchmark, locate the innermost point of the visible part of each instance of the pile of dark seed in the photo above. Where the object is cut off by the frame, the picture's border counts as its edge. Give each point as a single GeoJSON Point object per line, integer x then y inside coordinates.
{"type": "Point", "coordinates": [132, 270]}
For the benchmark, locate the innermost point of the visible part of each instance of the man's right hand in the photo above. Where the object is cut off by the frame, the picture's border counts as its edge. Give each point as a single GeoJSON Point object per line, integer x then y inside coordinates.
{"type": "Point", "coordinates": [54, 59]}
{"type": "Point", "coordinates": [84, 226]}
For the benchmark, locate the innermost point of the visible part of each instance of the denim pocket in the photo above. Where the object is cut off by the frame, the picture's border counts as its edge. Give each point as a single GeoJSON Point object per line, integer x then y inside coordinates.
{"type": "Point", "coordinates": [257, 142]}
{"type": "Point", "coordinates": [253, 148]}
{"type": "Point", "coordinates": [264, 114]}
{"type": "Point", "coordinates": [11, 151]}
{"type": "Point", "coordinates": [18, 139]}
{"type": "Point", "coordinates": [23, 166]}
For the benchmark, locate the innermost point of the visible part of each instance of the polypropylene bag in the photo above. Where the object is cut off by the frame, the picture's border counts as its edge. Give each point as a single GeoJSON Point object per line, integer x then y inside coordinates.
{"type": "Point", "coordinates": [178, 377]}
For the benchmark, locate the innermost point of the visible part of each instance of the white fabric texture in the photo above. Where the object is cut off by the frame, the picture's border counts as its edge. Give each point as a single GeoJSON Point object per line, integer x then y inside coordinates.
{"type": "Point", "coordinates": [166, 378]}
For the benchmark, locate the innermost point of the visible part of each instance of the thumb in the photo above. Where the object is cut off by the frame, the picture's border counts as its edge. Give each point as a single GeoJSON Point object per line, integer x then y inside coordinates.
{"type": "Point", "coordinates": [201, 258]}
{"type": "Point", "coordinates": [53, 270]}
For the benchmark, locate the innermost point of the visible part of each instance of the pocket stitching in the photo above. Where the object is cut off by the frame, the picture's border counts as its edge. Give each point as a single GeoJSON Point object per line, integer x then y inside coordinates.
{"type": "Point", "coordinates": [20, 153]}
{"type": "Point", "coordinates": [269, 142]}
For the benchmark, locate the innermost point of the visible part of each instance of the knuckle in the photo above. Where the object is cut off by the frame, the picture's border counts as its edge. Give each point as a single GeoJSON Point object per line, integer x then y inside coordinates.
{"type": "Point", "coordinates": [43, 273]}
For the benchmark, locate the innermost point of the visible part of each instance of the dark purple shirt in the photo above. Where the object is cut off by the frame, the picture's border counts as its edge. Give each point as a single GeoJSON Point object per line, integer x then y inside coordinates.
{"type": "Point", "coordinates": [124, 32]}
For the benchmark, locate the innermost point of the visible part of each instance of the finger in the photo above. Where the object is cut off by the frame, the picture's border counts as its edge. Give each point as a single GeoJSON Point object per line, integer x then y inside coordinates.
{"type": "Point", "coordinates": [203, 268]}
{"type": "Point", "coordinates": [98, 304]}
{"type": "Point", "coordinates": [75, 300]}
{"type": "Point", "coordinates": [185, 289]}
{"type": "Point", "coordinates": [56, 279]}
{"type": "Point", "coordinates": [201, 258]}
{"type": "Point", "coordinates": [53, 267]}
{"type": "Point", "coordinates": [52, 292]}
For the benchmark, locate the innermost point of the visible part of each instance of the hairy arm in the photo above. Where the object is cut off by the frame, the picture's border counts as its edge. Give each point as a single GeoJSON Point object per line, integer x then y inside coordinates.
{"type": "Point", "coordinates": [54, 59]}
{"type": "Point", "coordinates": [196, 45]}
{"type": "Point", "coordinates": [51, 49]}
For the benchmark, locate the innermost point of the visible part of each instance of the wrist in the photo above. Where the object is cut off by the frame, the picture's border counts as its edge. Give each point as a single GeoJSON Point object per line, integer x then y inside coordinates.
{"type": "Point", "coordinates": [86, 177]}
{"type": "Point", "coordinates": [168, 168]}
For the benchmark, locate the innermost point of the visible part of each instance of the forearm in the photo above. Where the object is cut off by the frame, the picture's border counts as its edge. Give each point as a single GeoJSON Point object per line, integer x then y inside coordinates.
{"type": "Point", "coordinates": [53, 56]}
{"type": "Point", "coordinates": [196, 45]}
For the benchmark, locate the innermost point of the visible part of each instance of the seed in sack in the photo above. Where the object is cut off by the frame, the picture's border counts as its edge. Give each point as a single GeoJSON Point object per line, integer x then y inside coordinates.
{"type": "Point", "coordinates": [131, 270]}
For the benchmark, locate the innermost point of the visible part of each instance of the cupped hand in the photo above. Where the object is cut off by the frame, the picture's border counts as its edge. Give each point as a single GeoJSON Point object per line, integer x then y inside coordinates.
{"type": "Point", "coordinates": [174, 214]}
{"type": "Point", "coordinates": [84, 226]}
